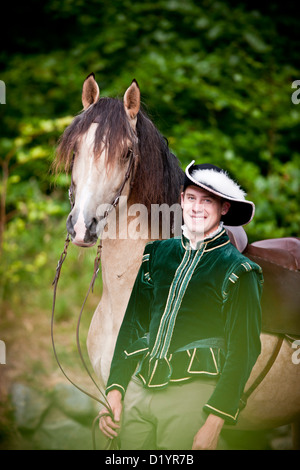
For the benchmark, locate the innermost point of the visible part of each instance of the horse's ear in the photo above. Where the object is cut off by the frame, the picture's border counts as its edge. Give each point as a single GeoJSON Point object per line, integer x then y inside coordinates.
{"type": "Point", "coordinates": [90, 91]}
{"type": "Point", "coordinates": [132, 100]}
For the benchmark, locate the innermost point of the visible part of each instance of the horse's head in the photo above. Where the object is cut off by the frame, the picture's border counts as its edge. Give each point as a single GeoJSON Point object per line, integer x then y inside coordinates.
{"type": "Point", "coordinates": [98, 147]}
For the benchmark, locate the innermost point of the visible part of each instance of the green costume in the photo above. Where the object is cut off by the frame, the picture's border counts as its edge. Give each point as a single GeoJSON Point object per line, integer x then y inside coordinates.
{"type": "Point", "coordinates": [192, 313]}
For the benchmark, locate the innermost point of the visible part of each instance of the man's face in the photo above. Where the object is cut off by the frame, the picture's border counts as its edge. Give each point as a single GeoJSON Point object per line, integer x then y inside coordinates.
{"type": "Point", "coordinates": [202, 211]}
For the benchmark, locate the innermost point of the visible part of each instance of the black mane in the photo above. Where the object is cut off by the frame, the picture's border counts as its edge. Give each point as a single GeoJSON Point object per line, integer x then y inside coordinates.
{"type": "Point", "coordinates": [158, 176]}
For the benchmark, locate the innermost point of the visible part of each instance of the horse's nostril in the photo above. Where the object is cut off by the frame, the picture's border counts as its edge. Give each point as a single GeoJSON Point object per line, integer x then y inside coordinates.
{"type": "Point", "coordinates": [70, 226]}
{"type": "Point", "coordinates": [93, 226]}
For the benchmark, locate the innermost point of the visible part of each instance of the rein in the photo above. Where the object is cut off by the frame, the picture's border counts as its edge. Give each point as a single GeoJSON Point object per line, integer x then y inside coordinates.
{"type": "Point", "coordinates": [55, 283]}
{"type": "Point", "coordinates": [264, 372]}
{"type": "Point", "coordinates": [112, 443]}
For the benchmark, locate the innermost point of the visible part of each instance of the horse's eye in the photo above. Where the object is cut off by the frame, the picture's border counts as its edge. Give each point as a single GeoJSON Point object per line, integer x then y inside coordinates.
{"type": "Point", "coordinates": [128, 154]}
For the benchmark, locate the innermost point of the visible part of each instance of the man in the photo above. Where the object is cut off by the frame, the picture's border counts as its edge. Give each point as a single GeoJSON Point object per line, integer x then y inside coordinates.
{"type": "Point", "coordinates": [191, 332]}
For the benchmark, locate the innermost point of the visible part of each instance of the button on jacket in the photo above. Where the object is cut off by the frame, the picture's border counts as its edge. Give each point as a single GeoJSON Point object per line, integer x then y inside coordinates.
{"type": "Point", "coordinates": [192, 313]}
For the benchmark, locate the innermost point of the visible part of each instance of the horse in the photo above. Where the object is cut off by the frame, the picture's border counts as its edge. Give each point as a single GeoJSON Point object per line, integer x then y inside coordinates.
{"type": "Point", "coordinates": [120, 163]}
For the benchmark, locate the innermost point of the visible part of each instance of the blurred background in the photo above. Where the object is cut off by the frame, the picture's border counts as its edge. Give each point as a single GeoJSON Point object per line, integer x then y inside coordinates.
{"type": "Point", "coordinates": [216, 79]}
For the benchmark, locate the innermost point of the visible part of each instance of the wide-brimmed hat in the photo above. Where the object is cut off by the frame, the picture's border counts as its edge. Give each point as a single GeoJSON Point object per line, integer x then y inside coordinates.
{"type": "Point", "coordinates": [218, 182]}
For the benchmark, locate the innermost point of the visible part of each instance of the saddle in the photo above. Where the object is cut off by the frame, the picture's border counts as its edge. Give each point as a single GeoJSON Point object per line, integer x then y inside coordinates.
{"type": "Point", "coordinates": [279, 259]}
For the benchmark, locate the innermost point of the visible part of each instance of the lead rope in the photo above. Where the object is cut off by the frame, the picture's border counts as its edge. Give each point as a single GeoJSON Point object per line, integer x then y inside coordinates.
{"type": "Point", "coordinates": [264, 372]}
{"type": "Point", "coordinates": [112, 443]}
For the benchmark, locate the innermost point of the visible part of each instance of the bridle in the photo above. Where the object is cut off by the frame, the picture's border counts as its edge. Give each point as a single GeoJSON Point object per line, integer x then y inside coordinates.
{"type": "Point", "coordinates": [113, 443]}
{"type": "Point", "coordinates": [132, 156]}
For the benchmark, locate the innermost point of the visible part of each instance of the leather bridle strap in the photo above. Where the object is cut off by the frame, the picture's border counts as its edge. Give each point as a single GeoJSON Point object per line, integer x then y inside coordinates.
{"type": "Point", "coordinates": [130, 168]}
{"type": "Point", "coordinates": [264, 372]}
{"type": "Point", "coordinates": [132, 158]}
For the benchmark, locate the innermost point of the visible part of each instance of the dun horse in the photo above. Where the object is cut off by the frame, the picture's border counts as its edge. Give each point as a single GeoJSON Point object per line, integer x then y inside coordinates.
{"type": "Point", "coordinates": [118, 160]}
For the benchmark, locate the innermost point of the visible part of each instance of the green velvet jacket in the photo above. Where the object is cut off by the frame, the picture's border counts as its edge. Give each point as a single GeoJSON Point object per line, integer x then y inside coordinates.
{"type": "Point", "coordinates": [192, 313]}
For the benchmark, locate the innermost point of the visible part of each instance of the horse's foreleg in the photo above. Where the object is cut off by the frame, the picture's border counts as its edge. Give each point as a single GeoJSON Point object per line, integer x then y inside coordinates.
{"type": "Point", "coordinates": [120, 262]}
{"type": "Point", "coordinates": [100, 342]}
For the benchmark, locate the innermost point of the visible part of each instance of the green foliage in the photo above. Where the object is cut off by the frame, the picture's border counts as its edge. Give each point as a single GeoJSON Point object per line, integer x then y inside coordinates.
{"type": "Point", "coordinates": [215, 78]}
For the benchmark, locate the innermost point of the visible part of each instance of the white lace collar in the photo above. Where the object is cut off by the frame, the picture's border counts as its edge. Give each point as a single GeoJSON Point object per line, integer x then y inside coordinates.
{"type": "Point", "coordinates": [186, 234]}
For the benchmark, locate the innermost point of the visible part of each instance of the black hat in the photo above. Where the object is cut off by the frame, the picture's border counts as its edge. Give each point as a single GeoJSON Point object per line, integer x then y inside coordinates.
{"type": "Point", "coordinates": [217, 181]}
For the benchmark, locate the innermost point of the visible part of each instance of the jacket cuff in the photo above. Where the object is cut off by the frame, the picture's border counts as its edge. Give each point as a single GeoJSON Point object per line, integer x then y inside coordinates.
{"type": "Point", "coordinates": [228, 418]}
{"type": "Point", "coordinates": [116, 387]}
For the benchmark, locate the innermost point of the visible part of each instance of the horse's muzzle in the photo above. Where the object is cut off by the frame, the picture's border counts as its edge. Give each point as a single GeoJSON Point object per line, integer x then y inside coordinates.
{"type": "Point", "coordinates": [82, 234]}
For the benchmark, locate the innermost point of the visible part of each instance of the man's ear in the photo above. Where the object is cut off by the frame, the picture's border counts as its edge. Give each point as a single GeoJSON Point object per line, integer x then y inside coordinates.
{"type": "Point", "coordinates": [225, 207]}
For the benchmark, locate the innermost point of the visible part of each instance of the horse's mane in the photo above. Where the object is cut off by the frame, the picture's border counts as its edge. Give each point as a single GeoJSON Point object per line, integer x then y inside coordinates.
{"type": "Point", "coordinates": [158, 175]}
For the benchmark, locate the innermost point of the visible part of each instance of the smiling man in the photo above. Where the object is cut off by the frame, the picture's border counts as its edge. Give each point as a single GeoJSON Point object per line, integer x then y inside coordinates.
{"type": "Point", "coordinates": [191, 331]}
{"type": "Point", "coordinates": [202, 212]}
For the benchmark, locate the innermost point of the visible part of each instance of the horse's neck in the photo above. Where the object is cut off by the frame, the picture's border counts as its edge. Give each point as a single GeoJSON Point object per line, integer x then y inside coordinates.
{"type": "Point", "coordinates": [123, 244]}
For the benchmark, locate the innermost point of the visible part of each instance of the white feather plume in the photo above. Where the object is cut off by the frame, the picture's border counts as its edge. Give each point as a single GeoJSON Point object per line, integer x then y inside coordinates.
{"type": "Point", "coordinates": [220, 182]}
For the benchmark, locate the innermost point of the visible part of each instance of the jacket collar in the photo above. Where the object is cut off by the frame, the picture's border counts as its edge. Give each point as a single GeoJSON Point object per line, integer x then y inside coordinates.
{"type": "Point", "coordinates": [215, 240]}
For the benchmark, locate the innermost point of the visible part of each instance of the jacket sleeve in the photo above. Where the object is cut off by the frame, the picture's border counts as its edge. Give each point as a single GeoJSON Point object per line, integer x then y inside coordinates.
{"type": "Point", "coordinates": [242, 312]}
{"type": "Point", "coordinates": [134, 327]}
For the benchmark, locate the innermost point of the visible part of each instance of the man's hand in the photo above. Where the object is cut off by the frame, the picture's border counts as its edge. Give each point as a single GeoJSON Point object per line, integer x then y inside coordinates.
{"type": "Point", "coordinates": [208, 435]}
{"type": "Point", "coordinates": [109, 427]}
